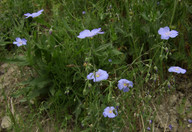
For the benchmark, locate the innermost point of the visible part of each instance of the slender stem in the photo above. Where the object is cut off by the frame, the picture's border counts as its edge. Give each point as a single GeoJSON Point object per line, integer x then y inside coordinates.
{"type": "Point", "coordinates": [174, 8]}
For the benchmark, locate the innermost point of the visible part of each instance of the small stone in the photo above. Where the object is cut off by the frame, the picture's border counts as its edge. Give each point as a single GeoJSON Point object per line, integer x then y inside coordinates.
{"type": "Point", "coordinates": [187, 104]}
{"type": "Point", "coordinates": [61, 130]}
{"type": "Point", "coordinates": [181, 95]}
{"type": "Point", "coordinates": [6, 122]}
{"type": "Point", "coordinates": [157, 130]}
{"type": "Point", "coordinates": [173, 100]}
{"type": "Point", "coordinates": [32, 101]}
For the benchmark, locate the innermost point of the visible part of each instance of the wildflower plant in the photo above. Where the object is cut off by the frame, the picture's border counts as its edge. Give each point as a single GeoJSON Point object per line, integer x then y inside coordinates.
{"type": "Point", "coordinates": [60, 61]}
{"type": "Point", "coordinates": [98, 76]}
{"type": "Point", "coordinates": [177, 69]}
{"type": "Point", "coordinates": [87, 33]}
{"type": "Point", "coordinates": [35, 14]}
{"type": "Point", "coordinates": [166, 33]}
{"type": "Point", "coordinates": [124, 84]}
{"type": "Point", "coordinates": [19, 42]}
{"type": "Point", "coordinates": [109, 112]}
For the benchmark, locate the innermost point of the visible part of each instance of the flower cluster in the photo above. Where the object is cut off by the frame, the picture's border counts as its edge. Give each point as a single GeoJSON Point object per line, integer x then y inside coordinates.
{"type": "Point", "coordinates": [100, 75]}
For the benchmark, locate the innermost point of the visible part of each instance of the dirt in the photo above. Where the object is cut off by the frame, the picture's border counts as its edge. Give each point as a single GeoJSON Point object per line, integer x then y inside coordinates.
{"type": "Point", "coordinates": [175, 109]}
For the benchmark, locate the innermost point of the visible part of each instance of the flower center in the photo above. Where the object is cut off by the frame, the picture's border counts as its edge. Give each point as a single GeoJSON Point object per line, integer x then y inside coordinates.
{"type": "Point", "coordinates": [176, 69]}
{"type": "Point", "coordinates": [125, 84]}
{"type": "Point", "coordinates": [167, 33]}
{"type": "Point", "coordinates": [97, 75]}
{"type": "Point", "coordinates": [110, 111]}
{"type": "Point", "coordinates": [20, 42]}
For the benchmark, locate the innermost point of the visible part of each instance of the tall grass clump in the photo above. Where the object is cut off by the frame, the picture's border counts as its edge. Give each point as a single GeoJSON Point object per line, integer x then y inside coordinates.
{"type": "Point", "coordinates": [130, 48]}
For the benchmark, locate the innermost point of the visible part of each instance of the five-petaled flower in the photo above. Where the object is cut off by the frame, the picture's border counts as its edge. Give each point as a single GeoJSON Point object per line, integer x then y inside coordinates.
{"type": "Point", "coordinates": [109, 112]}
{"type": "Point", "coordinates": [88, 33]}
{"type": "Point", "coordinates": [176, 69]}
{"type": "Point", "coordinates": [19, 42]}
{"type": "Point", "coordinates": [36, 14]}
{"type": "Point", "coordinates": [98, 76]}
{"type": "Point", "coordinates": [124, 84]}
{"type": "Point", "coordinates": [166, 33]}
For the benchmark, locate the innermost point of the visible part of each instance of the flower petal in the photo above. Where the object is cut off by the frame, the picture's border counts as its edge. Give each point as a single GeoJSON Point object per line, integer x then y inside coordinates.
{"type": "Point", "coordinates": [90, 76]}
{"type": "Point", "coordinates": [103, 75]}
{"type": "Point", "coordinates": [164, 37]}
{"type": "Point", "coordinates": [126, 90]}
{"type": "Point", "coordinates": [84, 34]}
{"type": "Point", "coordinates": [18, 39]}
{"type": "Point", "coordinates": [173, 33]}
{"type": "Point", "coordinates": [39, 12]}
{"type": "Point", "coordinates": [15, 42]}
{"type": "Point", "coordinates": [28, 15]}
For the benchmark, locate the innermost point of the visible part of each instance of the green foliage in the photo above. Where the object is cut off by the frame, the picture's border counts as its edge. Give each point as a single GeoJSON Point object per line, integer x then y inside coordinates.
{"type": "Point", "coordinates": [60, 61]}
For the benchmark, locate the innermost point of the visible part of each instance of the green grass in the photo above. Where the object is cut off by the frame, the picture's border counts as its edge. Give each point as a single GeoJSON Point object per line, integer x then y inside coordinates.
{"type": "Point", "coordinates": [60, 61]}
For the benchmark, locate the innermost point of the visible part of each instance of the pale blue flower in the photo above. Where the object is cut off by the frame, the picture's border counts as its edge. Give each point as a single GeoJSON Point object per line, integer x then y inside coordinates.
{"type": "Point", "coordinates": [83, 12]}
{"type": "Point", "coordinates": [110, 60]}
{"type": "Point", "coordinates": [88, 33]}
{"type": "Point", "coordinates": [150, 121]}
{"type": "Point", "coordinates": [109, 112]}
{"type": "Point", "coordinates": [166, 33]}
{"type": "Point", "coordinates": [98, 76]}
{"type": "Point", "coordinates": [36, 14]}
{"type": "Point", "coordinates": [148, 128]}
{"type": "Point", "coordinates": [19, 42]}
{"type": "Point", "coordinates": [124, 84]}
{"type": "Point", "coordinates": [176, 69]}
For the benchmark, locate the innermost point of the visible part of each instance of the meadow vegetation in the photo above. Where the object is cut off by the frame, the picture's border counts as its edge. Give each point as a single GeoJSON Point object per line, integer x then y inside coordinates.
{"type": "Point", "coordinates": [66, 62]}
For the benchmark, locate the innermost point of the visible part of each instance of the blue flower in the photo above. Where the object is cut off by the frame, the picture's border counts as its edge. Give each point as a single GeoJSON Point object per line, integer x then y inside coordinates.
{"type": "Point", "coordinates": [108, 112]}
{"type": "Point", "coordinates": [124, 85]}
{"type": "Point", "coordinates": [19, 42]}
{"type": "Point", "coordinates": [109, 60]}
{"type": "Point", "coordinates": [190, 121]}
{"type": "Point", "coordinates": [83, 12]}
{"type": "Point", "coordinates": [88, 33]}
{"type": "Point", "coordinates": [166, 33]}
{"type": "Point", "coordinates": [150, 121]}
{"type": "Point", "coordinates": [170, 127]}
{"type": "Point", "coordinates": [36, 14]}
{"type": "Point", "coordinates": [176, 69]}
{"type": "Point", "coordinates": [98, 76]}
{"type": "Point", "coordinates": [148, 128]}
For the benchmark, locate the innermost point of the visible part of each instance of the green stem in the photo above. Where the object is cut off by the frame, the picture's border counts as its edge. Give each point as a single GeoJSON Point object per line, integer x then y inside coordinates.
{"type": "Point", "coordinates": [174, 8]}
